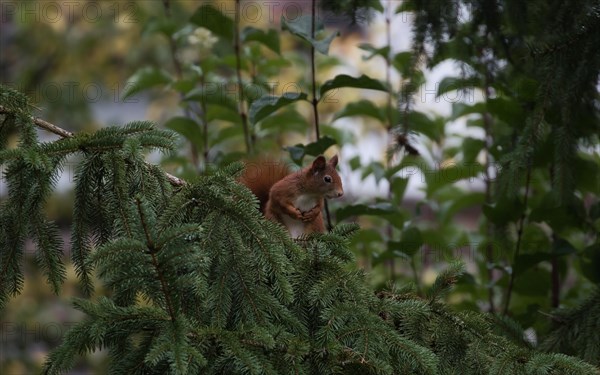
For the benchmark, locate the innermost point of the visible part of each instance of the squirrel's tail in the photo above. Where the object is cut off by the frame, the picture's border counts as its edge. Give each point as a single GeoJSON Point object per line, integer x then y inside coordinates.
{"type": "Point", "coordinates": [260, 175]}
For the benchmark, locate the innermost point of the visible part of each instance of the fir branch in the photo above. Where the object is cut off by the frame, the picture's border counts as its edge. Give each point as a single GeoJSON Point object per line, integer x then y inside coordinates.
{"type": "Point", "coordinates": [51, 128]}
{"type": "Point", "coordinates": [175, 181]}
{"type": "Point", "coordinates": [152, 251]}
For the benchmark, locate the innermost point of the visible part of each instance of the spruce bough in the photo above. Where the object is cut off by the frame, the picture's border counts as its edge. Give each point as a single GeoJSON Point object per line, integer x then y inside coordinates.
{"type": "Point", "coordinates": [199, 283]}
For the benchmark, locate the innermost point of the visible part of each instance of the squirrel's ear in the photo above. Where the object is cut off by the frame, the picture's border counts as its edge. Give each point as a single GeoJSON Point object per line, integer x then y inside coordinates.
{"type": "Point", "coordinates": [334, 161]}
{"type": "Point", "coordinates": [319, 164]}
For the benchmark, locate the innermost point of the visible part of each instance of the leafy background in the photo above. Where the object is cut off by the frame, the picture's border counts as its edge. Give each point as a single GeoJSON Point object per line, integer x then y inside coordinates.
{"type": "Point", "coordinates": [465, 132]}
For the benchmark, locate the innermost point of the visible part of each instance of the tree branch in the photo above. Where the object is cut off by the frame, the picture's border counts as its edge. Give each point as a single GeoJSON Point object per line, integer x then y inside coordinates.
{"type": "Point", "coordinates": [173, 180]}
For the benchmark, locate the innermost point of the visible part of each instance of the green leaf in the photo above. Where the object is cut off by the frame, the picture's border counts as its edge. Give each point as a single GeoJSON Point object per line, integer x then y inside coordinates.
{"type": "Point", "coordinates": [507, 109]}
{"type": "Point", "coordinates": [534, 239]}
{"type": "Point", "coordinates": [165, 26]}
{"type": "Point", "coordinates": [301, 27]}
{"type": "Point", "coordinates": [590, 263]}
{"type": "Point", "coordinates": [383, 51]}
{"type": "Point", "coordinates": [376, 4]}
{"type": "Point", "coordinates": [402, 61]}
{"type": "Point", "coordinates": [459, 203]}
{"type": "Point", "coordinates": [215, 112]}
{"type": "Point", "coordinates": [421, 123]}
{"type": "Point", "coordinates": [354, 163]}
{"type": "Point", "coordinates": [533, 282]}
{"type": "Point", "coordinates": [450, 174]}
{"type": "Point", "coordinates": [284, 121]}
{"type": "Point", "coordinates": [504, 211]}
{"type": "Point", "coordinates": [214, 95]}
{"type": "Point", "coordinates": [595, 211]}
{"type": "Point", "coordinates": [462, 109]}
{"type": "Point", "coordinates": [186, 127]}
{"type": "Point", "coordinates": [366, 236]}
{"type": "Point", "coordinates": [361, 108]}
{"type": "Point", "coordinates": [471, 148]}
{"type": "Point", "coordinates": [378, 209]}
{"type": "Point", "coordinates": [557, 214]}
{"type": "Point", "coordinates": [586, 173]}
{"type": "Point", "coordinates": [453, 83]}
{"type": "Point", "coordinates": [296, 153]}
{"type": "Point", "coordinates": [226, 134]}
{"type": "Point", "coordinates": [184, 86]}
{"type": "Point", "coordinates": [406, 6]}
{"type": "Point", "coordinates": [268, 104]}
{"type": "Point", "coordinates": [376, 169]}
{"type": "Point", "coordinates": [398, 188]}
{"type": "Point", "coordinates": [341, 134]}
{"type": "Point", "coordinates": [411, 241]}
{"type": "Point", "coordinates": [269, 38]}
{"type": "Point", "coordinates": [408, 167]}
{"type": "Point", "coordinates": [146, 78]}
{"type": "Point", "coordinates": [526, 261]}
{"type": "Point", "coordinates": [343, 80]}
{"type": "Point", "coordinates": [212, 19]}
{"type": "Point", "coordinates": [395, 249]}
{"type": "Point", "coordinates": [319, 147]}
{"type": "Point", "coordinates": [563, 247]}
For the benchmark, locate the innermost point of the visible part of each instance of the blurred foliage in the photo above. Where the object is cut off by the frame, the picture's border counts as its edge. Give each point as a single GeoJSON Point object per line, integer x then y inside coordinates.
{"type": "Point", "coordinates": [516, 194]}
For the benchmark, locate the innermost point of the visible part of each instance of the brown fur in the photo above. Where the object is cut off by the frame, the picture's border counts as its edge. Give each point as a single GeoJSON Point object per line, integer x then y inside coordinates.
{"type": "Point", "coordinates": [260, 175]}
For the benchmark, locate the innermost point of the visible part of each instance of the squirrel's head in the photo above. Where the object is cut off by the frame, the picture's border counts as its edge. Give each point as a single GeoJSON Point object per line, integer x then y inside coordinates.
{"type": "Point", "coordinates": [324, 179]}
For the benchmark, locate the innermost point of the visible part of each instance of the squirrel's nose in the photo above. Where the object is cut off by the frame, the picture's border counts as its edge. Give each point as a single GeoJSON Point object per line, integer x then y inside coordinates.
{"type": "Point", "coordinates": [340, 193]}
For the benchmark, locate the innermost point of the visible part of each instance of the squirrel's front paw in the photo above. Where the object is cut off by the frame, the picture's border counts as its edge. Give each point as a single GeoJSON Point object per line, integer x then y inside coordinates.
{"type": "Point", "coordinates": [311, 214]}
{"type": "Point", "coordinates": [298, 215]}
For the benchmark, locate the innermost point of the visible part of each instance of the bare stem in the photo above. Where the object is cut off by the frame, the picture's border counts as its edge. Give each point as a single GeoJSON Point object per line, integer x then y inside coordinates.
{"type": "Point", "coordinates": [538, 120]}
{"type": "Point", "coordinates": [313, 71]}
{"type": "Point", "coordinates": [388, 63]}
{"type": "Point", "coordinates": [554, 272]}
{"type": "Point", "coordinates": [488, 123]}
{"type": "Point", "coordinates": [511, 281]}
{"type": "Point", "coordinates": [179, 73]}
{"type": "Point", "coordinates": [390, 124]}
{"type": "Point", "coordinates": [238, 66]}
{"type": "Point", "coordinates": [315, 100]}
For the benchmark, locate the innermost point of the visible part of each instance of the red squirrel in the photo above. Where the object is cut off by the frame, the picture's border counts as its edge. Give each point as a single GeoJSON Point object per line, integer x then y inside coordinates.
{"type": "Point", "coordinates": [296, 199]}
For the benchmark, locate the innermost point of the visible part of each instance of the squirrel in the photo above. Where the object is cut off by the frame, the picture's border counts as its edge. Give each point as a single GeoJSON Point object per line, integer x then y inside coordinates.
{"type": "Point", "coordinates": [296, 199]}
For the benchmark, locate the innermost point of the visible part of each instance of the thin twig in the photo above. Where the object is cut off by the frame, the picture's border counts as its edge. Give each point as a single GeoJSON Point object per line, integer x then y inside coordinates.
{"type": "Point", "coordinates": [238, 68]}
{"type": "Point", "coordinates": [488, 122]}
{"type": "Point", "coordinates": [313, 70]}
{"type": "Point", "coordinates": [518, 245]}
{"type": "Point", "coordinates": [173, 180]}
{"type": "Point", "coordinates": [539, 118]}
{"type": "Point", "coordinates": [315, 100]}
{"type": "Point", "coordinates": [177, 65]}
{"type": "Point", "coordinates": [554, 272]}
{"type": "Point", "coordinates": [51, 128]}
{"type": "Point", "coordinates": [390, 124]}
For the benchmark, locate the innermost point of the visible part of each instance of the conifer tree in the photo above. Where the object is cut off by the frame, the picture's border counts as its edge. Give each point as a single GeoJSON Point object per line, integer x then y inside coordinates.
{"type": "Point", "coordinates": [199, 283]}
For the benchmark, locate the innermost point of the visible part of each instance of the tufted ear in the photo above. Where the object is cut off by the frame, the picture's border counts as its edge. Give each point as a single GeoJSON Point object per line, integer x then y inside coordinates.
{"type": "Point", "coordinates": [319, 164]}
{"type": "Point", "coordinates": [334, 161]}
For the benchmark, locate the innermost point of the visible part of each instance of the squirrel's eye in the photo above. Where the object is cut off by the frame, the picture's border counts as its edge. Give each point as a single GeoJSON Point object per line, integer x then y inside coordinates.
{"type": "Point", "coordinates": [327, 179]}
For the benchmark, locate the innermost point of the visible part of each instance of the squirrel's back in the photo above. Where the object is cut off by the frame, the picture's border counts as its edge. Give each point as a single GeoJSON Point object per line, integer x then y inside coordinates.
{"type": "Point", "coordinates": [260, 175]}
